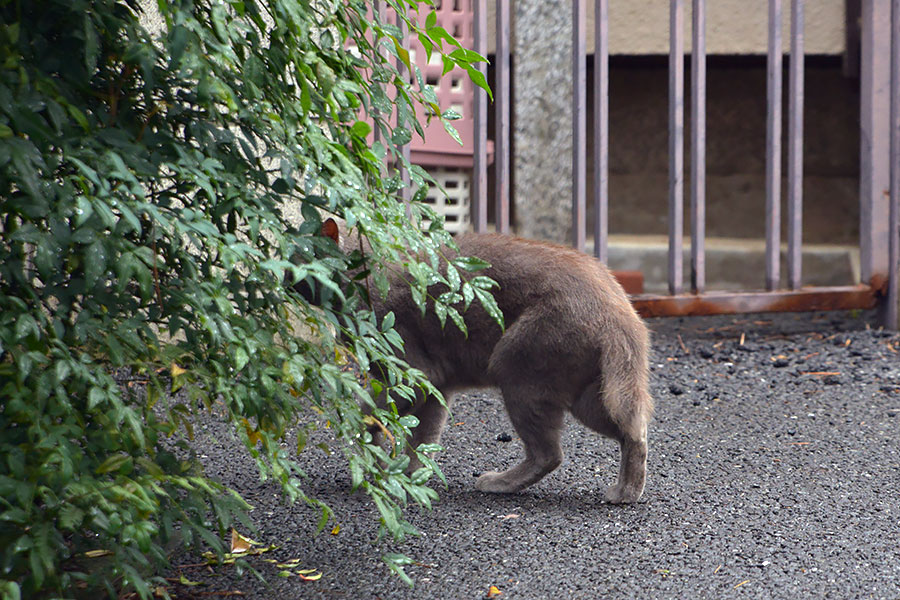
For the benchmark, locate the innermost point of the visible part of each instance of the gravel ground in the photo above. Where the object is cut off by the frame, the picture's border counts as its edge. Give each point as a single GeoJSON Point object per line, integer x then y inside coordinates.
{"type": "Point", "coordinates": [774, 472]}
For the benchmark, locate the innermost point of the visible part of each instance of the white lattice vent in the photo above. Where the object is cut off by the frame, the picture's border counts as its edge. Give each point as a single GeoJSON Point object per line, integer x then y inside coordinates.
{"type": "Point", "coordinates": [454, 202]}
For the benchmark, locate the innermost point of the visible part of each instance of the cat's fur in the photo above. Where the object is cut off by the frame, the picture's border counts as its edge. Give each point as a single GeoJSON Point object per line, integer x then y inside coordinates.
{"type": "Point", "coordinates": [572, 342]}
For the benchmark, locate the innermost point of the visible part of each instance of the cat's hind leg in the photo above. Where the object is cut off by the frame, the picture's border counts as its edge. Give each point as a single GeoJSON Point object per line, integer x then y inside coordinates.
{"type": "Point", "coordinates": [629, 428]}
{"type": "Point", "coordinates": [539, 423]}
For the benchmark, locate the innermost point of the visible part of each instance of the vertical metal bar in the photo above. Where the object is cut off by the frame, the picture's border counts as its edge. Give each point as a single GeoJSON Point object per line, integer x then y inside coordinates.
{"type": "Point", "coordinates": [795, 150]}
{"type": "Point", "coordinates": [698, 147]}
{"type": "Point", "coordinates": [601, 128]}
{"type": "Point", "coordinates": [773, 148]}
{"type": "Point", "coordinates": [894, 225]}
{"type": "Point", "coordinates": [676, 144]}
{"type": "Point", "coordinates": [501, 98]}
{"type": "Point", "coordinates": [874, 137]}
{"type": "Point", "coordinates": [379, 13]}
{"type": "Point", "coordinates": [405, 192]}
{"type": "Point", "coordinates": [579, 123]}
{"type": "Point", "coordinates": [479, 164]}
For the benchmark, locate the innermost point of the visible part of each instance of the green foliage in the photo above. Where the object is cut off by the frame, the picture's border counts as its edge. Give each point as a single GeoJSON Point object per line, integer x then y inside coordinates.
{"type": "Point", "coordinates": [144, 175]}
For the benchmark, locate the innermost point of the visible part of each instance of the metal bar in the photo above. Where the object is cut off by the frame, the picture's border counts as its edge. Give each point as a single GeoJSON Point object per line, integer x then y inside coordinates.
{"type": "Point", "coordinates": [728, 303]}
{"type": "Point", "coordinates": [579, 123]}
{"type": "Point", "coordinates": [405, 192]}
{"type": "Point", "coordinates": [380, 13]}
{"type": "Point", "coordinates": [479, 165]}
{"type": "Point", "coordinates": [894, 225]}
{"type": "Point", "coordinates": [698, 147]}
{"type": "Point", "coordinates": [874, 172]}
{"type": "Point", "coordinates": [795, 150]}
{"type": "Point", "coordinates": [601, 128]}
{"type": "Point", "coordinates": [501, 99]}
{"type": "Point", "coordinates": [773, 148]}
{"type": "Point", "coordinates": [676, 144]}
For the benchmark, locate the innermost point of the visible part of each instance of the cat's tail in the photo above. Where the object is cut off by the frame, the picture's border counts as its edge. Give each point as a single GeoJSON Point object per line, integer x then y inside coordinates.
{"type": "Point", "coordinates": [624, 391]}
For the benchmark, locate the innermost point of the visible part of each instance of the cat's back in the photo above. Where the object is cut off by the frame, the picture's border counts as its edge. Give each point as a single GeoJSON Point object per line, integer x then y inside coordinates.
{"type": "Point", "coordinates": [532, 268]}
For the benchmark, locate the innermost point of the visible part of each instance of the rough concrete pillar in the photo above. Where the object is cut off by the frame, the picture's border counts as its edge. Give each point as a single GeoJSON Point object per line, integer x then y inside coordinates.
{"type": "Point", "coordinates": [542, 71]}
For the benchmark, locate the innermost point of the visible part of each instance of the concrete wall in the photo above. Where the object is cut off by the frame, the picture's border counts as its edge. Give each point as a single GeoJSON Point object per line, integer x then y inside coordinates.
{"type": "Point", "coordinates": [641, 27]}
{"type": "Point", "coordinates": [735, 153]}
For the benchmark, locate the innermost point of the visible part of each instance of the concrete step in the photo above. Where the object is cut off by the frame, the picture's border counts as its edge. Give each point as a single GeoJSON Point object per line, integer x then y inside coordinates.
{"type": "Point", "coordinates": [731, 263]}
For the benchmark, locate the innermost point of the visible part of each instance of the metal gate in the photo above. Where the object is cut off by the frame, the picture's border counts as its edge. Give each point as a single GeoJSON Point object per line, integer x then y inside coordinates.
{"type": "Point", "coordinates": [879, 159]}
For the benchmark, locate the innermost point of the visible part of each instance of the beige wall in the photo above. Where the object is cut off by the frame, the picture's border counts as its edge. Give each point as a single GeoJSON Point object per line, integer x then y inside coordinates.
{"type": "Point", "coordinates": [640, 27]}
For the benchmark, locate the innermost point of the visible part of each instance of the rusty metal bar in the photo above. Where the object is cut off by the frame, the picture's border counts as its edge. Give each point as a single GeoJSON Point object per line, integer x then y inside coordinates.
{"type": "Point", "coordinates": [894, 225]}
{"type": "Point", "coordinates": [698, 147]}
{"type": "Point", "coordinates": [479, 164]}
{"type": "Point", "coordinates": [874, 172]}
{"type": "Point", "coordinates": [728, 303]}
{"type": "Point", "coordinates": [501, 115]}
{"type": "Point", "coordinates": [579, 123]}
{"type": "Point", "coordinates": [676, 144]}
{"type": "Point", "coordinates": [773, 147]}
{"type": "Point", "coordinates": [601, 128]}
{"type": "Point", "coordinates": [795, 150]}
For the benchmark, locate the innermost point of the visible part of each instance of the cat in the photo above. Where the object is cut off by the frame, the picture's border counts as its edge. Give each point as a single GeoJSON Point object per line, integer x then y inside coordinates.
{"type": "Point", "coordinates": [572, 342]}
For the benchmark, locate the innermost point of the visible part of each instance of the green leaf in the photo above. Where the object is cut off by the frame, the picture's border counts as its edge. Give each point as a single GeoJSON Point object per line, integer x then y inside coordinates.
{"type": "Point", "coordinates": [83, 210]}
{"type": "Point", "coordinates": [95, 263]}
{"type": "Point", "coordinates": [479, 79]}
{"type": "Point", "coordinates": [470, 263]}
{"type": "Point", "coordinates": [91, 45]}
{"type": "Point", "coordinates": [401, 136]}
{"type": "Point", "coordinates": [241, 358]}
{"type": "Point", "coordinates": [361, 129]}
{"type": "Point", "coordinates": [450, 129]}
{"type": "Point", "coordinates": [9, 590]}
{"type": "Point", "coordinates": [114, 463]}
{"type": "Point", "coordinates": [25, 326]}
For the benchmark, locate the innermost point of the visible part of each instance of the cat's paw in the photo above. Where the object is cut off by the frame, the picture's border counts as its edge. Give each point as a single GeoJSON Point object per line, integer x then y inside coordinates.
{"type": "Point", "coordinates": [621, 494]}
{"type": "Point", "coordinates": [494, 483]}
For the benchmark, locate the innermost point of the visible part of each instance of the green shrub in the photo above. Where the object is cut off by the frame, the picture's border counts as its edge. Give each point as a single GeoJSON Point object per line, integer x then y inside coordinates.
{"type": "Point", "coordinates": [144, 175]}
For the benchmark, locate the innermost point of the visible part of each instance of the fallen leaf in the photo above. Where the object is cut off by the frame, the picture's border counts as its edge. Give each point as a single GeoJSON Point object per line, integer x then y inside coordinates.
{"type": "Point", "coordinates": [185, 581]}
{"type": "Point", "coordinates": [294, 562]}
{"type": "Point", "coordinates": [493, 592]}
{"type": "Point", "coordinates": [240, 544]}
{"type": "Point", "coordinates": [741, 583]}
{"type": "Point", "coordinates": [176, 370]}
{"type": "Point", "coordinates": [336, 530]}
{"type": "Point", "coordinates": [305, 576]}
{"type": "Point", "coordinates": [97, 553]}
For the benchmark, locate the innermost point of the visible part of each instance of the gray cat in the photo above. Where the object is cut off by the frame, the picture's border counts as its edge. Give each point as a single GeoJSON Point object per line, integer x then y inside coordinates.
{"type": "Point", "coordinates": [572, 342]}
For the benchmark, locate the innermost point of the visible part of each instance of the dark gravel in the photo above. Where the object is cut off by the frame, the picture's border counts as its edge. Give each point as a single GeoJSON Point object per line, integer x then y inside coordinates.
{"type": "Point", "coordinates": [774, 473]}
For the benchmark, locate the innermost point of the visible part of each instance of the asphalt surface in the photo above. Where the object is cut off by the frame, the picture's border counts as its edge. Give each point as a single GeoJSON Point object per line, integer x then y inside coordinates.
{"type": "Point", "coordinates": [774, 472]}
